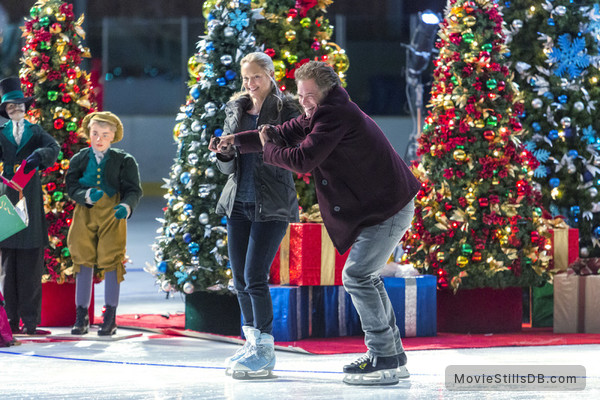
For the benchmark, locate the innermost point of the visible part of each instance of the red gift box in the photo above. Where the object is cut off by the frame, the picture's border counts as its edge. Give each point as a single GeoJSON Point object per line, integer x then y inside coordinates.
{"type": "Point", "coordinates": [306, 257]}
{"type": "Point", "coordinates": [565, 247]}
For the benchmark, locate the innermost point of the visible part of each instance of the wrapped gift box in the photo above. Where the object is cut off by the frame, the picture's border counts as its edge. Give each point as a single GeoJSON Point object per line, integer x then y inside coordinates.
{"type": "Point", "coordinates": [292, 312]}
{"type": "Point", "coordinates": [306, 257]}
{"type": "Point", "coordinates": [541, 305]}
{"type": "Point", "coordinates": [565, 247]}
{"type": "Point", "coordinates": [414, 302]}
{"type": "Point", "coordinates": [334, 313]}
{"type": "Point", "coordinates": [576, 303]}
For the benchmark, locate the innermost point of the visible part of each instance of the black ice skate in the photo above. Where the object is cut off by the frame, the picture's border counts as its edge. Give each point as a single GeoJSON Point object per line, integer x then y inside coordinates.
{"type": "Point", "coordinates": [372, 370]}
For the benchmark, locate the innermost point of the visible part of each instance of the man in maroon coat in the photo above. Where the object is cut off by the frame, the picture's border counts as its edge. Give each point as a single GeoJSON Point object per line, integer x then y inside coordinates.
{"type": "Point", "coordinates": [365, 193]}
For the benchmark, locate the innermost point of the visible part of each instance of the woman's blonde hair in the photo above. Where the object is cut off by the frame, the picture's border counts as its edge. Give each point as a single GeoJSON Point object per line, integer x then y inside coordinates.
{"type": "Point", "coordinates": [321, 72]}
{"type": "Point", "coordinates": [265, 63]}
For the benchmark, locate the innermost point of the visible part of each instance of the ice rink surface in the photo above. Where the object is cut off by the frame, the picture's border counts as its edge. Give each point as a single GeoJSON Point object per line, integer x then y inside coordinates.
{"type": "Point", "coordinates": [151, 367]}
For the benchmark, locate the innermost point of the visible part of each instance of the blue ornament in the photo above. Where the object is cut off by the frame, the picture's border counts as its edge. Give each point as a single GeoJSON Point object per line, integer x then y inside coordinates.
{"type": "Point", "coordinates": [194, 248]}
{"type": "Point", "coordinates": [597, 231]}
{"type": "Point", "coordinates": [532, 81]}
{"type": "Point", "coordinates": [224, 221]}
{"type": "Point", "coordinates": [185, 178]}
{"type": "Point", "coordinates": [210, 17]}
{"type": "Point", "coordinates": [549, 95]}
{"type": "Point", "coordinates": [572, 153]}
{"type": "Point", "coordinates": [187, 209]}
{"type": "Point", "coordinates": [187, 237]}
{"type": "Point", "coordinates": [222, 81]}
{"type": "Point", "coordinates": [195, 92]}
{"type": "Point", "coordinates": [210, 47]}
{"type": "Point", "coordinates": [507, 54]}
{"type": "Point", "coordinates": [536, 126]}
{"type": "Point", "coordinates": [551, 21]}
{"type": "Point", "coordinates": [587, 176]}
{"type": "Point", "coordinates": [245, 2]}
{"type": "Point", "coordinates": [218, 132]}
{"type": "Point", "coordinates": [554, 182]}
{"type": "Point", "coordinates": [575, 210]}
{"type": "Point", "coordinates": [563, 98]}
{"type": "Point", "coordinates": [553, 134]}
{"type": "Point", "coordinates": [568, 132]}
{"type": "Point", "coordinates": [230, 74]}
{"type": "Point", "coordinates": [162, 267]}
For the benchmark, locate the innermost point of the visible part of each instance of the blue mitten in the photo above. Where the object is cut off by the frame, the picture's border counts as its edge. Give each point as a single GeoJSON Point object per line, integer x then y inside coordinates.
{"type": "Point", "coordinates": [120, 212]}
{"type": "Point", "coordinates": [95, 194]}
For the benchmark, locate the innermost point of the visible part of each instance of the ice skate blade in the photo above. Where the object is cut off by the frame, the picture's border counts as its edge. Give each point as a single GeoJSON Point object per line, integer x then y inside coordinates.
{"type": "Point", "coordinates": [248, 375]}
{"type": "Point", "coordinates": [403, 372]}
{"type": "Point", "coordinates": [383, 377]}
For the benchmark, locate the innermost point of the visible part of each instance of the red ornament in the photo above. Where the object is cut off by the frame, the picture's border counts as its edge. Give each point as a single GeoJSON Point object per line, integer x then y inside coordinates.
{"type": "Point", "coordinates": [489, 135]}
{"type": "Point", "coordinates": [292, 13]}
{"type": "Point", "coordinates": [66, 98]}
{"type": "Point", "coordinates": [483, 202]}
{"type": "Point", "coordinates": [51, 186]}
{"type": "Point", "coordinates": [270, 52]}
{"type": "Point", "coordinates": [59, 123]}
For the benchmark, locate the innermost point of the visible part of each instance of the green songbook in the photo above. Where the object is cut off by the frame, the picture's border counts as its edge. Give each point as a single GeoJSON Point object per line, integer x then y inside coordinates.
{"type": "Point", "coordinates": [12, 218]}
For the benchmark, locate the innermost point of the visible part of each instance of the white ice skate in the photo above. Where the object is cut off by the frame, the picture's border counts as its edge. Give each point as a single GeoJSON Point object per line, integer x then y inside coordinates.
{"type": "Point", "coordinates": [259, 360]}
{"type": "Point", "coordinates": [372, 370]}
{"type": "Point", "coordinates": [241, 351]}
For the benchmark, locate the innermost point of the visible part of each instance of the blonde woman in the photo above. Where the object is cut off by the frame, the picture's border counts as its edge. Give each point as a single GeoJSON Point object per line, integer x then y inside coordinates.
{"type": "Point", "coordinates": [259, 201]}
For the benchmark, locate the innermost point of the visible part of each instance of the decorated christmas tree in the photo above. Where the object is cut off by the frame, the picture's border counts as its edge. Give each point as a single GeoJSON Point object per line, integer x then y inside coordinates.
{"type": "Point", "coordinates": [191, 249]}
{"type": "Point", "coordinates": [63, 94]}
{"type": "Point", "coordinates": [477, 219]}
{"type": "Point", "coordinates": [554, 53]}
{"type": "Point", "coordinates": [293, 33]}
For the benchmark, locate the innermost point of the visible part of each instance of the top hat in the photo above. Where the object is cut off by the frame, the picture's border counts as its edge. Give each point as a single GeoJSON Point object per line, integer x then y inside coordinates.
{"type": "Point", "coordinates": [104, 116]}
{"type": "Point", "coordinates": [10, 91]}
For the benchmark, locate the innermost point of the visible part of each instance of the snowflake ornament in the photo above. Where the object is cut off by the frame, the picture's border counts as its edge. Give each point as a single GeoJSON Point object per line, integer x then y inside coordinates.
{"type": "Point", "coordinates": [570, 56]}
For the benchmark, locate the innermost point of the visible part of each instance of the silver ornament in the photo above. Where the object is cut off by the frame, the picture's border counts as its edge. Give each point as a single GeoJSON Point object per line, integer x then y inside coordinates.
{"type": "Point", "coordinates": [196, 126]}
{"type": "Point", "coordinates": [560, 10]}
{"type": "Point", "coordinates": [203, 218]}
{"type": "Point", "coordinates": [571, 169]}
{"type": "Point", "coordinates": [517, 24]}
{"type": "Point", "coordinates": [177, 170]}
{"type": "Point", "coordinates": [226, 59]}
{"type": "Point", "coordinates": [578, 106]}
{"type": "Point", "coordinates": [173, 228]}
{"type": "Point", "coordinates": [220, 243]}
{"type": "Point", "coordinates": [209, 172]}
{"type": "Point", "coordinates": [593, 192]}
{"type": "Point", "coordinates": [193, 158]}
{"type": "Point", "coordinates": [188, 288]}
{"type": "Point", "coordinates": [166, 286]}
{"type": "Point", "coordinates": [211, 108]}
{"type": "Point", "coordinates": [584, 252]}
{"type": "Point", "coordinates": [229, 31]}
{"type": "Point", "coordinates": [537, 103]}
{"type": "Point", "coordinates": [565, 122]}
{"type": "Point", "coordinates": [212, 157]}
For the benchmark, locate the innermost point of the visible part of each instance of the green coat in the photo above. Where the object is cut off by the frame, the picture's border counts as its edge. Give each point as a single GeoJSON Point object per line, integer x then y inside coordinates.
{"type": "Point", "coordinates": [35, 139]}
{"type": "Point", "coordinates": [121, 173]}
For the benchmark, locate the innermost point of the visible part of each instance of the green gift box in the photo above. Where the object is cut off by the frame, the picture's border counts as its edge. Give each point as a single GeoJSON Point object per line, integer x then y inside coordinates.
{"type": "Point", "coordinates": [542, 305]}
{"type": "Point", "coordinates": [12, 218]}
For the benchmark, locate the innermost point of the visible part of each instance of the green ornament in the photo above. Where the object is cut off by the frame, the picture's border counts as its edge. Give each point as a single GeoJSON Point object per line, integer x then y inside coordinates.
{"type": "Point", "coordinates": [65, 252]}
{"type": "Point", "coordinates": [537, 211]}
{"type": "Point", "coordinates": [60, 156]}
{"type": "Point", "coordinates": [468, 37]}
{"type": "Point", "coordinates": [57, 196]}
{"type": "Point", "coordinates": [492, 120]}
{"type": "Point", "coordinates": [44, 46]}
{"type": "Point", "coordinates": [305, 22]}
{"type": "Point", "coordinates": [467, 249]}
{"type": "Point", "coordinates": [454, 80]}
{"type": "Point", "coordinates": [527, 261]}
{"type": "Point", "coordinates": [44, 21]}
{"type": "Point", "coordinates": [34, 12]}
{"type": "Point", "coordinates": [52, 95]}
{"type": "Point", "coordinates": [491, 84]}
{"type": "Point", "coordinates": [293, 59]}
{"type": "Point", "coordinates": [487, 47]}
{"type": "Point", "coordinates": [71, 126]}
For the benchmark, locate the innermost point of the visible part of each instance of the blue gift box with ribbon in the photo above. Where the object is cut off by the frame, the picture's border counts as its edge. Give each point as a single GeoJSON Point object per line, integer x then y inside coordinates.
{"type": "Point", "coordinates": [292, 312]}
{"type": "Point", "coordinates": [414, 302]}
{"type": "Point", "coordinates": [338, 317]}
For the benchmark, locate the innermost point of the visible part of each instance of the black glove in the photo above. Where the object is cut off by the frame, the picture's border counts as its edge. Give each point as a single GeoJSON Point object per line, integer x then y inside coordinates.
{"type": "Point", "coordinates": [33, 161]}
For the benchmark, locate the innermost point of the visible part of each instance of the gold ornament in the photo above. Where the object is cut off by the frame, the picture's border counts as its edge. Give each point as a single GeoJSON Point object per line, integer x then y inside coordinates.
{"type": "Point", "coordinates": [462, 261]}
{"type": "Point", "coordinates": [469, 20]}
{"type": "Point", "coordinates": [470, 197]}
{"type": "Point", "coordinates": [194, 66]}
{"type": "Point", "coordinates": [290, 35]}
{"type": "Point", "coordinates": [459, 155]}
{"type": "Point", "coordinates": [60, 17]}
{"type": "Point", "coordinates": [279, 69]}
{"type": "Point", "coordinates": [64, 164]}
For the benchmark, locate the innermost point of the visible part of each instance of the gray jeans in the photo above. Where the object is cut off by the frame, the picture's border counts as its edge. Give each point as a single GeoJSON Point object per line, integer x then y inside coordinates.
{"type": "Point", "coordinates": [362, 281]}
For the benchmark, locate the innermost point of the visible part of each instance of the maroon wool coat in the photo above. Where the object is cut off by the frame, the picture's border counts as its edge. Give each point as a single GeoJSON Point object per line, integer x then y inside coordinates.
{"type": "Point", "coordinates": [360, 180]}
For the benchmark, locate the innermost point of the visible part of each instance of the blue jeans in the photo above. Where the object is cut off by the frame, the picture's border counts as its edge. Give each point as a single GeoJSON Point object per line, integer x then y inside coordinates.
{"type": "Point", "coordinates": [362, 281]}
{"type": "Point", "coordinates": [252, 247]}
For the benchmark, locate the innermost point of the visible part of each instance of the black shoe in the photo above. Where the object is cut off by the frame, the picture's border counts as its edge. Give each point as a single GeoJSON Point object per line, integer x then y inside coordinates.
{"type": "Point", "coordinates": [372, 370]}
{"type": "Point", "coordinates": [28, 330]}
{"type": "Point", "coordinates": [82, 322]}
{"type": "Point", "coordinates": [402, 359]}
{"type": "Point", "coordinates": [109, 325]}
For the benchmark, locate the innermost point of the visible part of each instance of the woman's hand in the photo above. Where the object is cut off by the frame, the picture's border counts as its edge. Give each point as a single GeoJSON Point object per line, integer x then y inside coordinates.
{"type": "Point", "coordinates": [222, 145]}
{"type": "Point", "coordinates": [263, 134]}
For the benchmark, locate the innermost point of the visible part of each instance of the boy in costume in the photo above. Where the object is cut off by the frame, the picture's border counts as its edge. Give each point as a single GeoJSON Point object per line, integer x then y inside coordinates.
{"type": "Point", "coordinates": [105, 183]}
{"type": "Point", "coordinates": [23, 253]}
